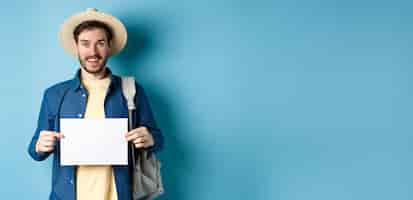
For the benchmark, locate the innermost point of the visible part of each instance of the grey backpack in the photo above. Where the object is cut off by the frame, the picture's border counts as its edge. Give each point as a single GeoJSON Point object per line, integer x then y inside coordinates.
{"type": "Point", "coordinates": [146, 168]}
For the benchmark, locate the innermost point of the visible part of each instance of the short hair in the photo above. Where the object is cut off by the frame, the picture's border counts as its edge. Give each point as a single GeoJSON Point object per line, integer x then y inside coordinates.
{"type": "Point", "coordinates": [92, 24]}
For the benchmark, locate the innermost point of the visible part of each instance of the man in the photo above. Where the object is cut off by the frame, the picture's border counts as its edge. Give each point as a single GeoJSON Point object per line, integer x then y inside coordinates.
{"type": "Point", "coordinates": [93, 93]}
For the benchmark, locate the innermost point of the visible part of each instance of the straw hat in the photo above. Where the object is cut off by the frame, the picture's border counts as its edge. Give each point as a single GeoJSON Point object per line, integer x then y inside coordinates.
{"type": "Point", "coordinates": [118, 30]}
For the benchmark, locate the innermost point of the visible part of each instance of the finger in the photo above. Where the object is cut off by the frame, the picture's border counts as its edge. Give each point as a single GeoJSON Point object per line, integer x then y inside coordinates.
{"type": "Point", "coordinates": [132, 137]}
{"type": "Point", "coordinates": [140, 131]}
{"type": "Point", "coordinates": [130, 133]}
{"type": "Point", "coordinates": [47, 143]}
{"type": "Point", "coordinates": [139, 140]}
{"type": "Point", "coordinates": [139, 145]}
{"type": "Point", "coordinates": [49, 137]}
{"type": "Point", "coordinates": [46, 133]}
{"type": "Point", "coordinates": [142, 139]}
{"type": "Point", "coordinates": [45, 149]}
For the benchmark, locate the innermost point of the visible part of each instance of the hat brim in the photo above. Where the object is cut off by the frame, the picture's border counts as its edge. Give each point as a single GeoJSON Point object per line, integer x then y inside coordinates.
{"type": "Point", "coordinates": [118, 30]}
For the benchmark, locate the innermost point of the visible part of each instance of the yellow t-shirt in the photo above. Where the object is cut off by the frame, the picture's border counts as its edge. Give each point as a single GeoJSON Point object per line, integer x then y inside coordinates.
{"type": "Point", "coordinates": [95, 182]}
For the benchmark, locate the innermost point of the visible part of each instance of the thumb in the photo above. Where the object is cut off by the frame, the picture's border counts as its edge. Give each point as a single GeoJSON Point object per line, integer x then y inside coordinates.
{"type": "Point", "coordinates": [59, 135]}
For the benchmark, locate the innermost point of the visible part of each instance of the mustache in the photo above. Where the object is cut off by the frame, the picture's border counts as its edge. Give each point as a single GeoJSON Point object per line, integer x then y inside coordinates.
{"type": "Point", "coordinates": [95, 56]}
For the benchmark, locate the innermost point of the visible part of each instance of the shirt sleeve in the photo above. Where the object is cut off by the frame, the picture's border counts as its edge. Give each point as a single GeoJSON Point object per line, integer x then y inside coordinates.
{"type": "Point", "coordinates": [43, 123]}
{"type": "Point", "coordinates": [146, 118]}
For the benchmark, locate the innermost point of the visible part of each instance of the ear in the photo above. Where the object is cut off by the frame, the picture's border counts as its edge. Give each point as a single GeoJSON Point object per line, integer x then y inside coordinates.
{"type": "Point", "coordinates": [76, 48]}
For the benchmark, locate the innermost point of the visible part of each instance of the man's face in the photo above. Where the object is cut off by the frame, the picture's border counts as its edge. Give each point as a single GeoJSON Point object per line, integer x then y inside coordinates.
{"type": "Point", "coordinates": [93, 50]}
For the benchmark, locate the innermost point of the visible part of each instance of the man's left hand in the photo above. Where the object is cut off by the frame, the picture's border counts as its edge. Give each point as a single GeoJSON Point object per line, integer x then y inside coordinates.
{"type": "Point", "coordinates": [140, 137]}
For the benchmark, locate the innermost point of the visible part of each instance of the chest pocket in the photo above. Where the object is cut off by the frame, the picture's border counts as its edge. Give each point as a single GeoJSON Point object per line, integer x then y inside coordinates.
{"type": "Point", "coordinates": [54, 108]}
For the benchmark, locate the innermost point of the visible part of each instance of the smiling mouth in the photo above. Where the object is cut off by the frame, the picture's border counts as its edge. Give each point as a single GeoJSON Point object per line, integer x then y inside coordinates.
{"type": "Point", "coordinates": [92, 60]}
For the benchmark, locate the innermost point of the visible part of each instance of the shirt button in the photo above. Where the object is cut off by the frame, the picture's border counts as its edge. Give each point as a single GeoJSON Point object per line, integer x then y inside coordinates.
{"type": "Point", "coordinates": [83, 95]}
{"type": "Point", "coordinates": [71, 181]}
{"type": "Point", "coordinates": [79, 115]}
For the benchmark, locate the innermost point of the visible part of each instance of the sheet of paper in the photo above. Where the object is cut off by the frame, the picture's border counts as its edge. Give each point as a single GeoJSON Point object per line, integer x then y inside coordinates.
{"type": "Point", "coordinates": [94, 141]}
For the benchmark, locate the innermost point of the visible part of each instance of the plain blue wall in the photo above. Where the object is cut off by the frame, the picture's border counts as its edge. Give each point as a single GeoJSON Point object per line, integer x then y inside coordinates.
{"type": "Point", "coordinates": [257, 99]}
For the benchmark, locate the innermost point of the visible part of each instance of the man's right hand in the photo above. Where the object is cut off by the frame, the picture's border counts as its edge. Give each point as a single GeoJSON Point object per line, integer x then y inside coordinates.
{"type": "Point", "coordinates": [46, 141]}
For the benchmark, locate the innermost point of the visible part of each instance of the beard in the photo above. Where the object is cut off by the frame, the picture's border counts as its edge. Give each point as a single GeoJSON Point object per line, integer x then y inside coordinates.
{"type": "Point", "coordinates": [96, 69]}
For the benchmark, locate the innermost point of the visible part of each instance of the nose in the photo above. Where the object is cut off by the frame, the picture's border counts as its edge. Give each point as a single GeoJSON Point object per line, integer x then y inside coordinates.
{"type": "Point", "coordinates": [94, 50]}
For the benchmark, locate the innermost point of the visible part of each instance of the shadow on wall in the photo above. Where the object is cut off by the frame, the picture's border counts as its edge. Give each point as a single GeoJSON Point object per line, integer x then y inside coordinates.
{"type": "Point", "coordinates": [142, 42]}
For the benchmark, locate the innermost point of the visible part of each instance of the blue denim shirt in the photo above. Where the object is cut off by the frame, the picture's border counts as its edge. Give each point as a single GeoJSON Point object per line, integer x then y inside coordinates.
{"type": "Point", "coordinates": [73, 105]}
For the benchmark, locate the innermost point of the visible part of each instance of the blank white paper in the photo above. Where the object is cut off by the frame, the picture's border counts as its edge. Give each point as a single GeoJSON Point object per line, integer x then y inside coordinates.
{"type": "Point", "coordinates": [94, 141]}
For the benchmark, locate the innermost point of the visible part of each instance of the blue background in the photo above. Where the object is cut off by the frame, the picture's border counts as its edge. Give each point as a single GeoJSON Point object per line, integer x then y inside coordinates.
{"type": "Point", "coordinates": [257, 99]}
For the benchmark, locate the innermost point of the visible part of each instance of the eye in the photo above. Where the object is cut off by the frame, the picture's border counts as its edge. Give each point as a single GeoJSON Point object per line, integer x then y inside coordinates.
{"type": "Point", "coordinates": [84, 44]}
{"type": "Point", "coordinates": [102, 43]}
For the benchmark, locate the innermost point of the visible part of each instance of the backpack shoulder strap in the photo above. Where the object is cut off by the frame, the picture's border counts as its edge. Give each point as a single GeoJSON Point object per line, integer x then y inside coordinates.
{"type": "Point", "coordinates": [129, 91]}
